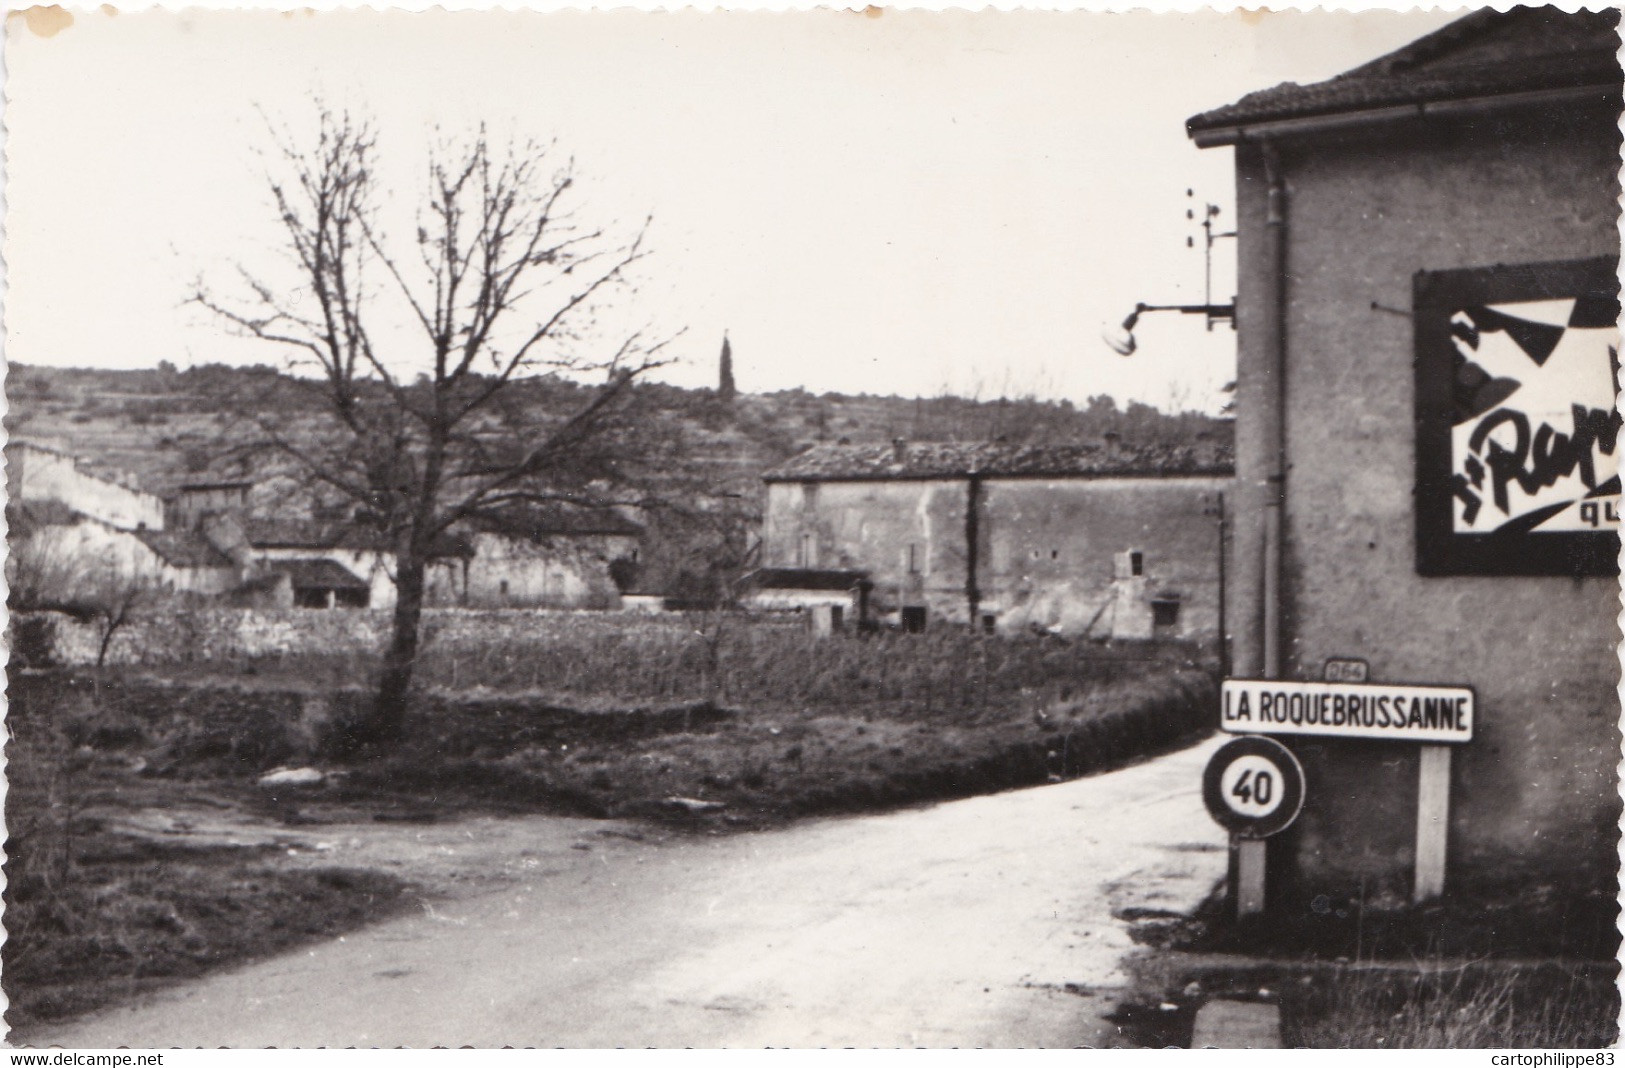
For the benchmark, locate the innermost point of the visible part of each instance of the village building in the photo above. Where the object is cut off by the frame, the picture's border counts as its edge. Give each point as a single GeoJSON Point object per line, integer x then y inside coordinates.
{"type": "Point", "coordinates": [93, 523]}
{"type": "Point", "coordinates": [81, 526]}
{"type": "Point", "coordinates": [36, 472]}
{"type": "Point", "coordinates": [1101, 539]}
{"type": "Point", "coordinates": [1427, 477]}
{"type": "Point", "coordinates": [193, 501]}
{"type": "Point", "coordinates": [799, 588]}
{"type": "Point", "coordinates": [73, 555]}
{"type": "Point", "coordinates": [316, 582]}
{"type": "Point", "coordinates": [296, 547]}
{"type": "Point", "coordinates": [538, 557]}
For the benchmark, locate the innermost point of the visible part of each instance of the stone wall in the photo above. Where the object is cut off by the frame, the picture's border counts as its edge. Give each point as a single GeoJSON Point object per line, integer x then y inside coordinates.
{"type": "Point", "coordinates": [38, 474]}
{"type": "Point", "coordinates": [219, 633]}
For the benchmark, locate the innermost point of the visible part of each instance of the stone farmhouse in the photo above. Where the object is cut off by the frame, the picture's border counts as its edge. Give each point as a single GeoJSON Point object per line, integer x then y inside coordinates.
{"type": "Point", "coordinates": [540, 556]}
{"type": "Point", "coordinates": [1427, 475]}
{"type": "Point", "coordinates": [1100, 539]}
{"type": "Point", "coordinates": [88, 522]}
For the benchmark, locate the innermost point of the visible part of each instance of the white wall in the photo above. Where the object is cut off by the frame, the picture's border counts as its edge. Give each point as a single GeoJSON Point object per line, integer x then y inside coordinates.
{"type": "Point", "coordinates": [42, 475]}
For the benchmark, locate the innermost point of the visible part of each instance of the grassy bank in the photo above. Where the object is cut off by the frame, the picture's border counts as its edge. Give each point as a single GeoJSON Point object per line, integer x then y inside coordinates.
{"type": "Point", "coordinates": [1523, 964]}
{"type": "Point", "coordinates": [94, 917]}
{"type": "Point", "coordinates": [736, 728]}
{"type": "Point", "coordinates": [632, 720]}
{"type": "Point", "coordinates": [1475, 1006]}
{"type": "Point", "coordinates": [783, 761]}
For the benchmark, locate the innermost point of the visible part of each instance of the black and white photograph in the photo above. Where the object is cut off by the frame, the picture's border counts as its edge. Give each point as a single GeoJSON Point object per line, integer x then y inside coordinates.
{"type": "Point", "coordinates": [821, 528]}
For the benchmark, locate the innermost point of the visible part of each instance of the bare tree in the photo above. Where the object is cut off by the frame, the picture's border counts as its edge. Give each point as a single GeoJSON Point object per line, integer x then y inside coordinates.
{"type": "Point", "coordinates": [452, 409]}
{"type": "Point", "coordinates": [112, 601]}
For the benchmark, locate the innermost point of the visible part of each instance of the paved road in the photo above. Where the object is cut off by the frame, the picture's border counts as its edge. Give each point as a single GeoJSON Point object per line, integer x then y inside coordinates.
{"type": "Point", "coordinates": [954, 925]}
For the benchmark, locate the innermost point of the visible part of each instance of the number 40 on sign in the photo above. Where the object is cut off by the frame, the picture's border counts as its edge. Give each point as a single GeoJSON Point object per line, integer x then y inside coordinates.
{"type": "Point", "coordinates": [1253, 787]}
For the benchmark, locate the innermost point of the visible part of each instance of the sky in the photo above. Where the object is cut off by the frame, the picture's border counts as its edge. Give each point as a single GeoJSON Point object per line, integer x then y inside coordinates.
{"type": "Point", "coordinates": [909, 202]}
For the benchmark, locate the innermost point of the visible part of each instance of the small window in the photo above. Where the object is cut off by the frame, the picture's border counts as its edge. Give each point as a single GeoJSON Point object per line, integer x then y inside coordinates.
{"type": "Point", "coordinates": [1165, 612]}
{"type": "Point", "coordinates": [914, 619]}
{"type": "Point", "coordinates": [1136, 563]}
{"type": "Point", "coordinates": [913, 559]}
{"type": "Point", "coordinates": [989, 623]}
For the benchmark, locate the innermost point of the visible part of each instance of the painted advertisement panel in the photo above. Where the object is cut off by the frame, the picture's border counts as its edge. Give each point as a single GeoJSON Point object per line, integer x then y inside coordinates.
{"type": "Point", "coordinates": [1517, 431]}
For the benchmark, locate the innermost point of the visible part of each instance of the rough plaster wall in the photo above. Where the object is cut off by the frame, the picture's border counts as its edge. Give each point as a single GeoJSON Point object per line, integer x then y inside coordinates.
{"type": "Point", "coordinates": [46, 476]}
{"type": "Point", "coordinates": [1051, 547]}
{"type": "Point", "coordinates": [209, 581]}
{"type": "Point", "coordinates": [191, 505]}
{"type": "Point", "coordinates": [870, 525]}
{"type": "Point", "coordinates": [81, 556]}
{"type": "Point", "coordinates": [559, 572]}
{"type": "Point", "coordinates": [1537, 785]}
{"type": "Point", "coordinates": [445, 583]}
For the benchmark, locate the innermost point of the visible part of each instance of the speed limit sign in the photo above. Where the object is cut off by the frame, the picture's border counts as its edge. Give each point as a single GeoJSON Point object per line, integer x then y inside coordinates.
{"type": "Point", "coordinates": [1253, 786]}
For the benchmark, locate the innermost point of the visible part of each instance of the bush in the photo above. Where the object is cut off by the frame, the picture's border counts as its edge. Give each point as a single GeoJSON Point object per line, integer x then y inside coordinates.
{"type": "Point", "coordinates": [1455, 1007]}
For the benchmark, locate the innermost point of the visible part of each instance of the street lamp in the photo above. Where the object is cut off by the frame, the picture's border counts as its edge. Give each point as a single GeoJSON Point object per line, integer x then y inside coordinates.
{"type": "Point", "coordinates": [1121, 339]}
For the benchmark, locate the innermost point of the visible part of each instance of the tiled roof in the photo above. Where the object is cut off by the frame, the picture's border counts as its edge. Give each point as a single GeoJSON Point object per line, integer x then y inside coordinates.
{"type": "Point", "coordinates": [317, 574]}
{"type": "Point", "coordinates": [290, 533]}
{"type": "Point", "coordinates": [207, 487]}
{"type": "Point", "coordinates": [958, 459]}
{"type": "Point", "coordinates": [325, 534]}
{"type": "Point", "coordinates": [1487, 53]}
{"type": "Point", "coordinates": [183, 548]}
{"type": "Point", "coordinates": [805, 578]}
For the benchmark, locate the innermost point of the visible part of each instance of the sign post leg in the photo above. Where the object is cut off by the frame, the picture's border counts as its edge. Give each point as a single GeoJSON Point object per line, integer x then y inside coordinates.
{"type": "Point", "coordinates": [1249, 876]}
{"type": "Point", "coordinates": [1432, 821]}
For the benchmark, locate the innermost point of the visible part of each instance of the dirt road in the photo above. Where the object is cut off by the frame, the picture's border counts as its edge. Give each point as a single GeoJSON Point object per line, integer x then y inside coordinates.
{"type": "Point", "coordinates": [961, 924]}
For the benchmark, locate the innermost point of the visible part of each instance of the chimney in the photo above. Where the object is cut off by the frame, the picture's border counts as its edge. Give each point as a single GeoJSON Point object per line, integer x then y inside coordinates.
{"type": "Point", "coordinates": [899, 449]}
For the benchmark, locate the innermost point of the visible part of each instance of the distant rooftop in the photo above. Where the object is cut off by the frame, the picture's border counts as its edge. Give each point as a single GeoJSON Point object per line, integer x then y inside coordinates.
{"type": "Point", "coordinates": [1488, 53]}
{"type": "Point", "coordinates": [207, 487]}
{"type": "Point", "coordinates": [805, 578]}
{"type": "Point", "coordinates": [542, 521]}
{"type": "Point", "coordinates": [183, 548]}
{"type": "Point", "coordinates": [960, 459]}
{"type": "Point", "coordinates": [279, 533]}
{"type": "Point", "coordinates": [317, 574]}
{"type": "Point", "coordinates": [291, 533]}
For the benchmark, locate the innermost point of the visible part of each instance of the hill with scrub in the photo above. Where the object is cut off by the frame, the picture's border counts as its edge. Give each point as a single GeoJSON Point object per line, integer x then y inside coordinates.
{"type": "Point", "coordinates": [167, 427]}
